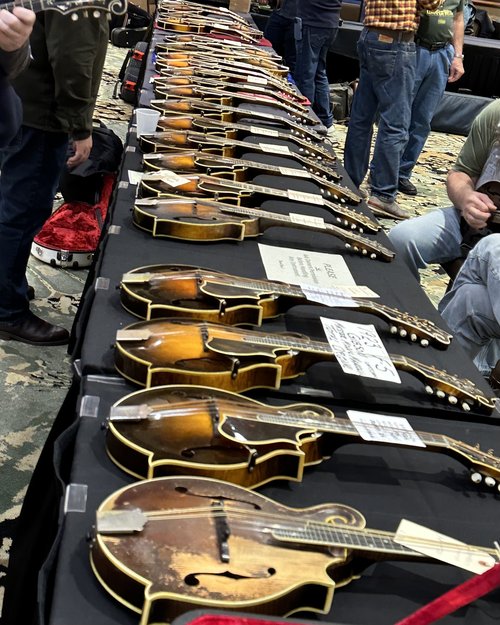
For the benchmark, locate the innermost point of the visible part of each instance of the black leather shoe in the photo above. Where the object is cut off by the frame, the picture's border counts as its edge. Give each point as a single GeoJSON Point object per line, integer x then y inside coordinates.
{"type": "Point", "coordinates": [406, 186]}
{"type": "Point", "coordinates": [30, 293]}
{"type": "Point", "coordinates": [34, 331]}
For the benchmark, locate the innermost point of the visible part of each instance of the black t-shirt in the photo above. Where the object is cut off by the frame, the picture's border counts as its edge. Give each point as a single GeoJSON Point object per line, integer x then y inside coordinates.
{"type": "Point", "coordinates": [319, 13]}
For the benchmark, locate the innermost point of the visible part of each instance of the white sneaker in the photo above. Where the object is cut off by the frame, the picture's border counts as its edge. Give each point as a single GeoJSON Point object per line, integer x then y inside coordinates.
{"type": "Point", "coordinates": [331, 134]}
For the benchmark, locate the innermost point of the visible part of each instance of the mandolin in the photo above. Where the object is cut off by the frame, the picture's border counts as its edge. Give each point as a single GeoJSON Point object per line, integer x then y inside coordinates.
{"type": "Point", "coordinates": [196, 430]}
{"type": "Point", "coordinates": [228, 113]}
{"type": "Point", "coordinates": [163, 182]}
{"type": "Point", "coordinates": [163, 86]}
{"type": "Point", "coordinates": [167, 545]}
{"type": "Point", "coordinates": [237, 169]}
{"type": "Point", "coordinates": [199, 43]}
{"type": "Point", "coordinates": [315, 157]}
{"type": "Point", "coordinates": [253, 95]}
{"type": "Point", "coordinates": [186, 351]}
{"type": "Point", "coordinates": [192, 292]}
{"type": "Point", "coordinates": [194, 8]}
{"type": "Point", "coordinates": [254, 64]}
{"type": "Point", "coordinates": [203, 220]}
{"type": "Point", "coordinates": [185, 23]}
{"type": "Point", "coordinates": [227, 73]}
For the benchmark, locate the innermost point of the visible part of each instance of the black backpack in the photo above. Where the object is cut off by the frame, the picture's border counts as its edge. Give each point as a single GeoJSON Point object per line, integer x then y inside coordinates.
{"type": "Point", "coordinates": [131, 74]}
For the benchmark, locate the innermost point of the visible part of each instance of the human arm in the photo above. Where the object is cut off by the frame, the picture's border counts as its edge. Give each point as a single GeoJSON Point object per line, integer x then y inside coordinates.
{"type": "Point", "coordinates": [457, 65]}
{"type": "Point", "coordinates": [475, 207]}
{"type": "Point", "coordinates": [15, 29]}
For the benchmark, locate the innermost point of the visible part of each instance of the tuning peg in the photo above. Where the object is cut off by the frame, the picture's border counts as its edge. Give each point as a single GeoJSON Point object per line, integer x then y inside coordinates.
{"type": "Point", "coordinates": [96, 14]}
{"type": "Point", "coordinates": [403, 333]}
{"type": "Point", "coordinates": [465, 407]}
{"type": "Point", "coordinates": [453, 400]}
{"type": "Point", "coordinates": [393, 330]}
{"type": "Point", "coordinates": [440, 394]}
{"type": "Point", "coordinates": [476, 477]}
{"type": "Point", "coordinates": [424, 342]}
{"type": "Point", "coordinates": [74, 17]}
{"type": "Point", "coordinates": [490, 481]}
{"type": "Point", "coordinates": [429, 390]}
{"type": "Point", "coordinates": [413, 338]}
{"type": "Point", "coordinates": [491, 452]}
{"type": "Point", "coordinates": [373, 256]}
{"type": "Point", "coordinates": [476, 446]}
{"type": "Point", "coordinates": [364, 252]}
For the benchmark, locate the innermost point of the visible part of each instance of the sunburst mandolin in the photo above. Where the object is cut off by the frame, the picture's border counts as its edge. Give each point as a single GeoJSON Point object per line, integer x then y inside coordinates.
{"type": "Point", "coordinates": [180, 351]}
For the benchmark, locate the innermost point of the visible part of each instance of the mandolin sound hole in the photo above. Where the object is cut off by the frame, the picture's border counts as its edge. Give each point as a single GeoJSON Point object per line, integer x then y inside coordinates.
{"type": "Point", "coordinates": [192, 578]}
{"type": "Point", "coordinates": [181, 489]}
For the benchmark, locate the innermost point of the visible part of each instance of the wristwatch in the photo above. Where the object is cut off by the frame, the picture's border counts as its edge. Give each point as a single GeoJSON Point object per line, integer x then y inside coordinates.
{"type": "Point", "coordinates": [459, 56]}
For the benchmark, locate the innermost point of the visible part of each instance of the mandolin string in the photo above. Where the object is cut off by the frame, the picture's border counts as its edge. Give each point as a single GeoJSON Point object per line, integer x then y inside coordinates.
{"type": "Point", "coordinates": [272, 521]}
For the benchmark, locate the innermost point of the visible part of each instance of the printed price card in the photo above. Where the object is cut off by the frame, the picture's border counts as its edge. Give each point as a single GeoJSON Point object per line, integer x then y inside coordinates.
{"type": "Point", "coordinates": [384, 429]}
{"type": "Point", "coordinates": [359, 350]}
{"type": "Point", "coordinates": [295, 173]}
{"type": "Point", "coordinates": [308, 198]}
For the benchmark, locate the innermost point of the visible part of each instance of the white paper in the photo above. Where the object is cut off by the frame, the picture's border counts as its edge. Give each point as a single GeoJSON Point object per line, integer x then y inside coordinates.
{"type": "Point", "coordinates": [442, 547]}
{"type": "Point", "coordinates": [359, 350]}
{"type": "Point", "coordinates": [295, 173]}
{"type": "Point", "coordinates": [134, 177]}
{"type": "Point", "coordinates": [384, 428]}
{"type": "Point", "coordinates": [256, 130]}
{"type": "Point", "coordinates": [308, 198]}
{"type": "Point", "coordinates": [307, 220]}
{"type": "Point", "coordinates": [328, 297]}
{"type": "Point", "coordinates": [340, 296]}
{"type": "Point", "coordinates": [168, 177]}
{"type": "Point", "coordinates": [272, 148]}
{"type": "Point", "coordinates": [257, 80]}
{"type": "Point", "coordinates": [304, 267]}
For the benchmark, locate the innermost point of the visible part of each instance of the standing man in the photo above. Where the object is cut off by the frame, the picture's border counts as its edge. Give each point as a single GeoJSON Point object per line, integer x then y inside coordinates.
{"type": "Point", "coordinates": [280, 30]}
{"type": "Point", "coordinates": [58, 92]}
{"type": "Point", "coordinates": [15, 29]}
{"type": "Point", "coordinates": [387, 57]}
{"type": "Point", "coordinates": [316, 30]}
{"type": "Point", "coordinates": [440, 40]}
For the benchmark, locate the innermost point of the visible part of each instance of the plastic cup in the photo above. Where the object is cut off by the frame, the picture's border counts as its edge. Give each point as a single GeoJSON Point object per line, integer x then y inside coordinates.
{"type": "Point", "coordinates": [146, 120]}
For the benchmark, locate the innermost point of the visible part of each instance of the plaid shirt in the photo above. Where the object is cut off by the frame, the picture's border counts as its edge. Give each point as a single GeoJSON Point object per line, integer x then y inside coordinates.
{"type": "Point", "coordinates": [396, 14]}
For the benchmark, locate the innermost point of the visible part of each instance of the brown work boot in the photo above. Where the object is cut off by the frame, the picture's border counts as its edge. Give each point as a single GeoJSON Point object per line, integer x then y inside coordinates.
{"type": "Point", "coordinates": [389, 210]}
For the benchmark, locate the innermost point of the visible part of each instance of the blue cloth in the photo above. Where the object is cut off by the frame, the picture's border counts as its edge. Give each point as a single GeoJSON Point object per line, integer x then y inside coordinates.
{"type": "Point", "coordinates": [310, 69]}
{"type": "Point", "coordinates": [319, 13]}
{"type": "Point", "coordinates": [387, 76]}
{"type": "Point", "coordinates": [30, 166]}
{"type": "Point", "coordinates": [280, 32]}
{"type": "Point", "coordinates": [433, 69]}
{"type": "Point", "coordinates": [472, 306]}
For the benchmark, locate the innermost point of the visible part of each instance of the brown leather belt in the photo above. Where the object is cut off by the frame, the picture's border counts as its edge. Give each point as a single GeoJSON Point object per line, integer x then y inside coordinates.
{"type": "Point", "coordinates": [396, 35]}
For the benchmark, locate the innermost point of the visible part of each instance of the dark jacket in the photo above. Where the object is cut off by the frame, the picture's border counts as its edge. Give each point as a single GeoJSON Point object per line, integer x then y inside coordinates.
{"type": "Point", "coordinates": [59, 87]}
{"type": "Point", "coordinates": [319, 13]}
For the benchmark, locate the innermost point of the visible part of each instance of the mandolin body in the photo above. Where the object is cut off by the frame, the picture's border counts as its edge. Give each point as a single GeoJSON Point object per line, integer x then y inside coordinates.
{"type": "Point", "coordinates": [174, 564]}
{"type": "Point", "coordinates": [207, 432]}
{"type": "Point", "coordinates": [180, 351]}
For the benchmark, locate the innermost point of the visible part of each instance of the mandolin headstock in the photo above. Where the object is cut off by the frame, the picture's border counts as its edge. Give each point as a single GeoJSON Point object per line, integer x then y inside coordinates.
{"type": "Point", "coordinates": [364, 246]}
{"type": "Point", "coordinates": [484, 465]}
{"type": "Point", "coordinates": [415, 329]}
{"type": "Point", "coordinates": [456, 391]}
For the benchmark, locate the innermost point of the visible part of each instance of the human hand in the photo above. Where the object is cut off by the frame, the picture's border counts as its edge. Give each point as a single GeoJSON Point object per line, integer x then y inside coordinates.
{"type": "Point", "coordinates": [15, 28]}
{"type": "Point", "coordinates": [81, 149]}
{"type": "Point", "coordinates": [476, 209]}
{"type": "Point", "coordinates": [456, 70]}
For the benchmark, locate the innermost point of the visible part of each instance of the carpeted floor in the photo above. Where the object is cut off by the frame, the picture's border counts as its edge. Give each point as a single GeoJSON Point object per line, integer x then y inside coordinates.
{"type": "Point", "coordinates": [34, 381]}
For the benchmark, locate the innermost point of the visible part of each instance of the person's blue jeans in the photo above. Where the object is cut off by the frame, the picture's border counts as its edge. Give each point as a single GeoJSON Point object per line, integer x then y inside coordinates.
{"type": "Point", "coordinates": [387, 76]}
{"type": "Point", "coordinates": [280, 32]}
{"type": "Point", "coordinates": [30, 170]}
{"type": "Point", "coordinates": [472, 306]}
{"type": "Point", "coordinates": [433, 69]}
{"type": "Point", "coordinates": [431, 238]}
{"type": "Point", "coordinates": [467, 307]}
{"type": "Point", "coordinates": [310, 69]}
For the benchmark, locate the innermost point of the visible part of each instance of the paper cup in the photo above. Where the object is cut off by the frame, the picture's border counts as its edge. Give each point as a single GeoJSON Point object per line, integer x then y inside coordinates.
{"type": "Point", "coordinates": [146, 120]}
